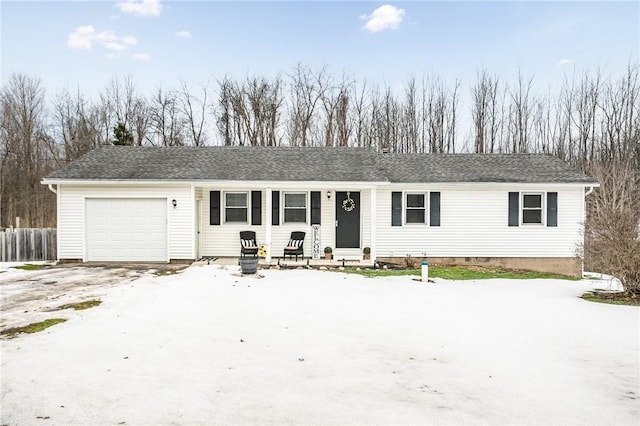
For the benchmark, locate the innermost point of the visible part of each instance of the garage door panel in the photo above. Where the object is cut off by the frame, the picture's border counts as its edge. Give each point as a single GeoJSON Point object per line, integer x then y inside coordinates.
{"type": "Point", "coordinates": [126, 229]}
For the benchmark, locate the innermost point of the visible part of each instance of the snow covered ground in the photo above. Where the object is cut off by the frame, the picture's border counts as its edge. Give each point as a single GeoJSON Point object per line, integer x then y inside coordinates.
{"type": "Point", "coordinates": [30, 296]}
{"type": "Point", "coordinates": [208, 346]}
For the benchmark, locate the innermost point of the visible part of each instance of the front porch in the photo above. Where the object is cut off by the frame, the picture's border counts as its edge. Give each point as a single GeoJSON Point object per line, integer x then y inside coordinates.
{"type": "Point", "coordinates": [290, 263]}
{"type": "Point", "coordinates": [331, 215]}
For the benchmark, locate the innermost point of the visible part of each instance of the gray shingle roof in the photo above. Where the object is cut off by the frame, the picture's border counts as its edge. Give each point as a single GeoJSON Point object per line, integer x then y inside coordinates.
{"type": "Point", "coordinates": [311, 164]}
{"type": "Point", "coordinates": [534, 168]}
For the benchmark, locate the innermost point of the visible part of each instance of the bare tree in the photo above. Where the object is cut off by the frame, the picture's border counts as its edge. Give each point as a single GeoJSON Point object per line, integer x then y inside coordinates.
{"type": "Point", "coordinates": [585, 117]}
{"type": "Point", "coordinates": [194, 109]}
{"type": "Point", "coordinates": [410, 121]}
{"type": "Point", "coordinates": [612, 230]}
{"type": "Point", "coordinates": [520, 114]}
{"type": "Point", "coordinates": [248, 113]}
{"type": "Point", "coordinates": [304, 97]}
{"type": "Point", "coordinates": [76, 123]}
{"type": "Point", "coordinates": [167, 122]}
{"type": "Point", "coordinates": [26, 154]}
{"type": "Point", "coordinates": [484, 112]}
{"type": "Point", "coordinates": [223, 111]}
{"type": "Point", "coordinates": [360, 117]}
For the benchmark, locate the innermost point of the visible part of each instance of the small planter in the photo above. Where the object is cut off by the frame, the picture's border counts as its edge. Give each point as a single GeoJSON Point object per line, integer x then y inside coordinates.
{"type": "Point", "coordinates": [248, 265]}
{"type": "Point", "coordinates": [366, 253]}
{"type": "Point", "coordinates": [328, 253]}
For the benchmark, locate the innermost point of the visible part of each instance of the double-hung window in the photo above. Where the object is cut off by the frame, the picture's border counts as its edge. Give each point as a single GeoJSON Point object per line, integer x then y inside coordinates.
{"type": "Point", "coordinates": [295, 207]}
{"type": "Point", "coordinates": [416, 208]}
{"type": "Point", "coordinates": [531, 208]}
{"type": "Point", "coordinates": [235, 207]}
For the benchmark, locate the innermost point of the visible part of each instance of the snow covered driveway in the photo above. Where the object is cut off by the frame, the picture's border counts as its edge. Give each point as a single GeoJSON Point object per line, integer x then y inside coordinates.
{"type": "Point", "coordinates": [30, 296]}
{"type": "Point", "coordinates": [207, 346]}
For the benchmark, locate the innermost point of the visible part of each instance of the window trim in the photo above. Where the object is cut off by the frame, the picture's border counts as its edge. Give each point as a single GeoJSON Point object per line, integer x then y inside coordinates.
{"type": "Point", "coordinates": [542, 209]}
{"type": "Point", "coordinates": [405, 207]}
{"type": "Point", "coordinates": [284, 206]}
{"type": "Point", "coordinates": [247, 206]}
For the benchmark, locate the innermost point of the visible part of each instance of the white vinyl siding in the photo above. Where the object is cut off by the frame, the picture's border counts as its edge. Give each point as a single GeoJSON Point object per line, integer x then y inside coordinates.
{"type": "Point", "coordinates": [474, 223]}
{"type": "Point", "coordinates": [71, 220]}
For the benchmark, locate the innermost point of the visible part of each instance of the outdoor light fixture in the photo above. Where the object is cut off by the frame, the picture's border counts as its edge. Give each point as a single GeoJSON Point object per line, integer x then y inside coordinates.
{"type": "Point", "coordinates": [174, 203]}
{"type": "Point", "coordinates": [328, 195]}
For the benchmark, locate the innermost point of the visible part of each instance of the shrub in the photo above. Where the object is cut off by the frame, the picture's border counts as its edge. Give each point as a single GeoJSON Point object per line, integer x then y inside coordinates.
{"type": "Point", "coordinates": [611, 240]}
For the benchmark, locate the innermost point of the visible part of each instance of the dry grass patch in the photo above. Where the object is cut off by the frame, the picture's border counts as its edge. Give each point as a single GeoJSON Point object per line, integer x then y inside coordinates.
{"type": "Point", "coordinates": [31, 328]}
{"type": "Point", "coordinates": [80, 306]}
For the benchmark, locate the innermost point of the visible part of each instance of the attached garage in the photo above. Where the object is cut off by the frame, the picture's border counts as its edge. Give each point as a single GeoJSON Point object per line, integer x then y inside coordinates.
{"type": "Point", "coordinates": [126, 229]}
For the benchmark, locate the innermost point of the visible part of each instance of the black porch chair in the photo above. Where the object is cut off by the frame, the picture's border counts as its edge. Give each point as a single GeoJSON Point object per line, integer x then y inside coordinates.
{"type": "Point", "coordinates": [248, 244]}
{"type": "Point", "coordinates": [295, 246]}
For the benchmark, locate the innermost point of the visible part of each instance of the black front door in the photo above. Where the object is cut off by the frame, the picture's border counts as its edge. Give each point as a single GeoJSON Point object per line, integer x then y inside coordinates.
{"type": "Point", "coordinates": [347, 219]}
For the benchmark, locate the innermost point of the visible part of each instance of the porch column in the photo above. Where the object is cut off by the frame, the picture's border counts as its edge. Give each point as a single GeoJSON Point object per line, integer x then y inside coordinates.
{"type": "Point", "coordinates": [267, 233]}
{"type": "Point", "coordinates": [373, 243]}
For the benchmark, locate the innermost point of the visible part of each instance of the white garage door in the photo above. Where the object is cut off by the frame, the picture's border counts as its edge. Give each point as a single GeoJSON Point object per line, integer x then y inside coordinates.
{"type": "Point", "coordinates": [126, 229]}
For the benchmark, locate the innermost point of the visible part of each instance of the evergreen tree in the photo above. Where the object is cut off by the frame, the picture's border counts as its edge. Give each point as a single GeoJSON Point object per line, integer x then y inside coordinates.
{"type": "Point", "coordinates": [122, 135]}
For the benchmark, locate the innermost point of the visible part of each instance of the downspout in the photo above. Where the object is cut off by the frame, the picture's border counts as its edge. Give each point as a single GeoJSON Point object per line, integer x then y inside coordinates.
{"type": "Point", "coordinates": [55, 191]}
{"type": "Point", "coordinates": [589, 191]}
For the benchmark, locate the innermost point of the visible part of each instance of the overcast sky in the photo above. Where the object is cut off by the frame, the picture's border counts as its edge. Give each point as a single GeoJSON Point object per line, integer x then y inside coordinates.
{"type": "Point", "coordinates": [84, 43]}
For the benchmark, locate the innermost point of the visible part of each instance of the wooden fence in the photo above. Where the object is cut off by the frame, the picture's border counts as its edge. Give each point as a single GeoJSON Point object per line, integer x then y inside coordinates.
{"type": "Point", "coordinates": [26, 244]}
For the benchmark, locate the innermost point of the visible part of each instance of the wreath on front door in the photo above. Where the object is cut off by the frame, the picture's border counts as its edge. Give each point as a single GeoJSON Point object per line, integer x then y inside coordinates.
{"type": "Point", "coordinates": [348, 204]}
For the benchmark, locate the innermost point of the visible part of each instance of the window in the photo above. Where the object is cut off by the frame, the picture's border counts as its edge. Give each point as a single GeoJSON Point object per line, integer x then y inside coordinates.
{"type": "Point", "coordinates": [532, 208]}
{"type": "Point", "coordinates": [412, 208]}
{"type": "Point", "coordinates": [295, 207]}
{"type": "Point", "coordinates": [416, 208]}
{"type": "Point", "coordinates": [235, 207]}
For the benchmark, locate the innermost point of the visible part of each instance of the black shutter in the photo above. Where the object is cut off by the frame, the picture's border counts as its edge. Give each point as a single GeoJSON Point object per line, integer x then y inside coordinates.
{"type": "Point", "coordinates": [434, 208]}
{"type": "Point", "coordinates": [514, 208]}
{"type": "Point", "coordinates": [552, 209]}
{"type": "Point", "coordinates": [315, 207]}
{"type": "Point", "coordinates": [256, 207]}
{"type": "Point", "coordinates": [396, 209]}
{"type": "Point", "coordinates": [214, 207]}
{"type": "Point", "coordinates": [275, 208]}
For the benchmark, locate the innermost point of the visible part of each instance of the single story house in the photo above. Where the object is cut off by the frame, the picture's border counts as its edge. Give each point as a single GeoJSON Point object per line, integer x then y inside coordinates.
{"type": "Point", "coordinates": [164, 204]}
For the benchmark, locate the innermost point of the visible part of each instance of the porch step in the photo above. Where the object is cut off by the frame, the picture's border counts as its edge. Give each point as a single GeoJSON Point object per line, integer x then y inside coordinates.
{"type": "Point", "coordinates": [347, 254]}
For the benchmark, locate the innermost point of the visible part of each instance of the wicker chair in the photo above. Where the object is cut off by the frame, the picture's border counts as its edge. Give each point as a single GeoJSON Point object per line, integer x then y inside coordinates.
{"type": "Point", "coordinates": [248, 244]}
{"type": "Point", "coordinates": [295, 246]}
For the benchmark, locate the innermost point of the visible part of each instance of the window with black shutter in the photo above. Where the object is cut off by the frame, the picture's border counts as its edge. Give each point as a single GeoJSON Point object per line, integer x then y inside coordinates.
{"type": "Point", "coordinates": [552, 209]}
{"type": "Point", "coordinates": [396, 209]}
{"type": "Point", "coordinates": [214, 207]}
{"type": "Point", "coordinates": [514, 208]}
{"type": "Point", "coordinates": [256, 207]}
{"type": "Point", "coordinates": [275, 208]}
{"type": "Point", "coordinates": [315, 207]}
{"type": "Point", "coordinates": [434, 208]}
